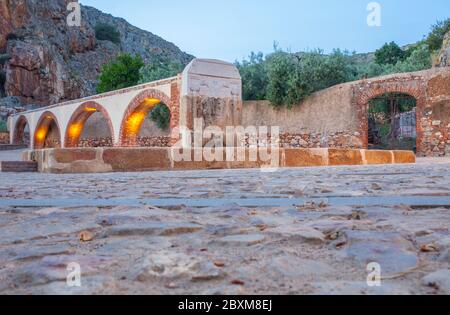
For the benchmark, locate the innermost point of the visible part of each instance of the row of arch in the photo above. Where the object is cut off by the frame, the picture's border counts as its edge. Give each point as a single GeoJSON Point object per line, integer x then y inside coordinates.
{"type": "Point", "coordinates": [131, 124]}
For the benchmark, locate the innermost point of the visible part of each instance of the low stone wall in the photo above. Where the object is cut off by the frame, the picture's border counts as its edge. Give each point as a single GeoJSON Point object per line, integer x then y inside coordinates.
{"type": "Point", "coordinates": [338, 140]}
{"type": "Point", "coordinates": [158, 142]}
{"type": "Point", "coordinates": [95, 142]}
{"type": "Point", "coordinates": [102, 160]}
{"type": "Point", "coordinates": [4, 138]}
{"type": "Point", "coordinates": [337, 117]}
{"type": "Point", "coordinates": [149, 142]}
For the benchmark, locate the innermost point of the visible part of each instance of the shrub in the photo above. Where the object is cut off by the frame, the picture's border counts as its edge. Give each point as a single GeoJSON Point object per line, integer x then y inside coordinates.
{"type": "Point", "coordinates": [108, 32]}
{"type": "Point", "coordinates": [437, 34]}
{"type": "Point", "coordinates": [161, 116]}
{"type": "Point", "coordinates": [254, 77]}
{"type": "Point", "coordinates": [420, 59]}
{"type": "Point", "coordinates": [293, 77]}
{"type": "Point", "coordinates": [160, 67]}
{"type": "Point", "coordinates": [120, 73]}
{"type": "Point", "coordinates": [389, 54]}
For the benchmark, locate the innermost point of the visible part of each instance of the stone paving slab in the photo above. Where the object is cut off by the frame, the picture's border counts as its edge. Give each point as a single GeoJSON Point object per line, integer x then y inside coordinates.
{"type": "Point", "coordinates": [131, 246]}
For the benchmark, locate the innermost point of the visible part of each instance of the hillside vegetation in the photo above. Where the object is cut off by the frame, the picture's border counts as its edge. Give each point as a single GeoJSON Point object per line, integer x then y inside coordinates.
{"type": "Point", "coordinates": [285, 78]}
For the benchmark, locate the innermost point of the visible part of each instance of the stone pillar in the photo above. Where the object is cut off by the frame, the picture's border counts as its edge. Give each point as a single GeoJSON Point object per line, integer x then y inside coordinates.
{"type": "Point", "coordinates": [211, 90]}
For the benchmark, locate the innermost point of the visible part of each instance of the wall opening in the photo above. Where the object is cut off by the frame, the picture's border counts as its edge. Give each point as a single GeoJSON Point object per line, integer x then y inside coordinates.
{"type": "Point", "coordinates": [22, 132]}
{"type": "Point", "coordinates": [47, 134]}
{"type": "Point", "coordinates": [90, 126]}
{"type": "Point", "coordinates": [147, 124]}
{"type": "Point", "coordinates": [392, 122]}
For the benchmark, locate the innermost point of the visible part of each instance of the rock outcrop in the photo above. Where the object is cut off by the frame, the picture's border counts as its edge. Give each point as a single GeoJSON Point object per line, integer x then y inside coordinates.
{"type": "Point", "coordinates": [51, 62]}
{"type": "Point", "coordinates": [444, 55]}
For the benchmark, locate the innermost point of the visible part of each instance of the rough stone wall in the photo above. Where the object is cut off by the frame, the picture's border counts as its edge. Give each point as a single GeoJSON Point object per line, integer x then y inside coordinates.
{"type": "Point", "coordinates": [326, 119]}
{"type": "Point", "coordinates": [95, 142]}
{"type": "Point", "coordinates": [337, 117]}
{"type": "Point", "coordinates": [149, 142]}
{"type": "Point", "coordinates": [339, 140]}
{"type": "Point", "coordinates": [159, 142]}
{"type": "Point", "coordinates": [435, 117]}
{"type": "Point", "coordinates": [430, 88]}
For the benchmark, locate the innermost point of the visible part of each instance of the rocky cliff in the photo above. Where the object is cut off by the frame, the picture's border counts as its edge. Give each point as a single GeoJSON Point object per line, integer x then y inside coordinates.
{"type": "Point", "coordinates": [45, 61]}
{"type": "Point", "coordinates": [444, 55]}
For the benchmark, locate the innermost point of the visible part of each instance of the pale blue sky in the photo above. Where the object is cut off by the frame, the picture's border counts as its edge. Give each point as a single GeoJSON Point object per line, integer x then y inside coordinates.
{"type": "Point", "coordinates": [231, 29]}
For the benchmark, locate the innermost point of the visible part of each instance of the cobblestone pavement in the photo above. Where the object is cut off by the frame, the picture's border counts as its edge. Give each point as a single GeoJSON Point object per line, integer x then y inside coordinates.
{"type": "Point", "coordinates": [127, 243]}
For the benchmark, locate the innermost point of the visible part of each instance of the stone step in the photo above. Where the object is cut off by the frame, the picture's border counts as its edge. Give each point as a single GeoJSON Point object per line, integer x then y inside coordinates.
{"type": "Point", "coordinates": [10, 147]}
{"type": "Point", "coordinates": [18, 166]}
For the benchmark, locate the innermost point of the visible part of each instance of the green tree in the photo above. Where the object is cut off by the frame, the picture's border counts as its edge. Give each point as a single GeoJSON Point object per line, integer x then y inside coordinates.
{"type": "Point", "coordinates": [254, 77]}
{"type": "Point", "coordinates": [420, 59]}
{"type": "Point", "coordinates": [292, 77]}
{"type": "Point", "coordinates": [436, 36]}
{"type": "Point", "coordinates": [120, 73]}
{"type": "Point", "coordinates": [104, 31]}
{"type": "Point", "coordinates": [161, 116]}
{"type": "Point", "coordinates": [281, 72]}
{"type": "Point", "coordinates": [160, 67]}
{"type": "Point", "coordinates": [389, 54]}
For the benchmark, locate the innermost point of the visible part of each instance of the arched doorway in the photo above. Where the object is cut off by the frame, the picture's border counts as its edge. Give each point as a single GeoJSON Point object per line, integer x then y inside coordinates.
{"type": "Point", "coordinates": [148, 121]}
{"type": "Point", "coordinates": [47, 134]}
{"type": "Point", "coordinates": [392, 122]}
{"type": "Point", "coordinates": [21, 134]}
{"type": "Point", "coordinates": [89, 126]}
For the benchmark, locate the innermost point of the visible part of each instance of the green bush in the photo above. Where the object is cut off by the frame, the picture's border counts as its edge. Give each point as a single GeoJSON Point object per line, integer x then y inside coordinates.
{"type": "Point", "coordinates": [419, 59]}
{"type": "Point", "coordinates": [285, 79]}
{"type": "Point", "coordinates": [254, 77]}
{"type": "Point", "coordinates": [437, 34]}
{"type": "Point", "coordinates": [293, 77]}
{"type": "Point", "coordinates": [280, 70]}
{"type": "Point", "coordinates": [161, 116]}
{"type": "Point", "coordinates": [389, 54]}
{"type": "Point", "coordinates": [160, 67]}
{"type": "Point", "coordinates": [108, 32]}
{"type": "Point", "coordinates": [120, 73]}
